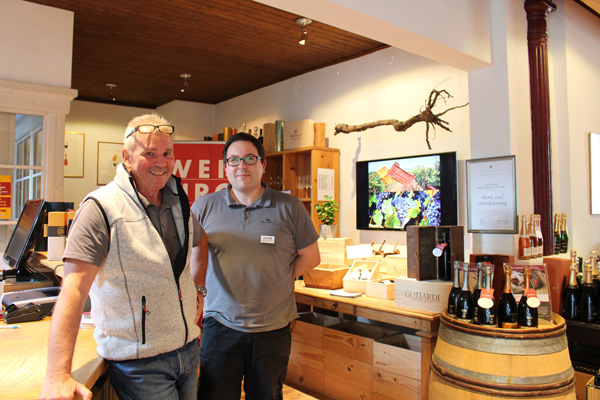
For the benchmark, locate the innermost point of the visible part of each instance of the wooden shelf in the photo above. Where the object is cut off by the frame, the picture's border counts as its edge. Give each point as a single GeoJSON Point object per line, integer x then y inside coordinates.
{"type": "Point", "coordinates": [289, 164]}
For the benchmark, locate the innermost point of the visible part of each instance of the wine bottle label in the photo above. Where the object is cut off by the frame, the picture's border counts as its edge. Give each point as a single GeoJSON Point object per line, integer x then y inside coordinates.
{"type": "Point", "coordinates": [486, 299]}
{"type": "Point", "coordinates": [527, 252]}
{"type": "Point", "coordinates": [532, 299]}
{"type": "Point", "coordinates": [439, 249]}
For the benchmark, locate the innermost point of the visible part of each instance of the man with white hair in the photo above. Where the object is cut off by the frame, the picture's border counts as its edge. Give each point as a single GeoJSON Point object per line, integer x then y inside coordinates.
{"type": "Point", "coordinates": [130, 247]}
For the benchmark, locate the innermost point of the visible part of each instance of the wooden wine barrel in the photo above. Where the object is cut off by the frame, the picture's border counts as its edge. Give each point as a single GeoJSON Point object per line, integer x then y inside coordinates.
{"type": "Point", "coordinates": [477, 362]}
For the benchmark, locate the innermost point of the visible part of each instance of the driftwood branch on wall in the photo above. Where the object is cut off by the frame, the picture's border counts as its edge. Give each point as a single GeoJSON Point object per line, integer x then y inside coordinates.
{"type": "Point", "coordinates": [425, 115]}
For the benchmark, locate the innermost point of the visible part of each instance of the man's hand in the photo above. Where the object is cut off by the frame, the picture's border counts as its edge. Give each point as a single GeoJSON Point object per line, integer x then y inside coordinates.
{"type": "Point", "coordinates": [63, 388]}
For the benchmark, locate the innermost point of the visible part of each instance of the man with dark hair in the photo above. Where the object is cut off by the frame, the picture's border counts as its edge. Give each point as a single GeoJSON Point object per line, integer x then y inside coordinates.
{"type": "Point", "coordinates": [259, 240]}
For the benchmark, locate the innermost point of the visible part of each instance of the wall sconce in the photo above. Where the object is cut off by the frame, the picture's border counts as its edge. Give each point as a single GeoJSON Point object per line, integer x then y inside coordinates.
{"type": "Point", "coordinates": [111, 95]}
{"type": "Point", "coordinates": [303, 22]}
{"type": "Point", "coordinates": [186, 86]}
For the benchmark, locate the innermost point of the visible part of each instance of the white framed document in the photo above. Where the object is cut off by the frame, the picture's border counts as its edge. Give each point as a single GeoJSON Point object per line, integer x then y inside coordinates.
{"type": "Point", "coordinates": [492, 195]}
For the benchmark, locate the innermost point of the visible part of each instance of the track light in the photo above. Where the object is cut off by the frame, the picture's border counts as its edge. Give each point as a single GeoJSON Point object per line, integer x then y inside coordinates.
{"type": "Point", "coordinates": [186, 87]}
{"type": "Point", "coordinates": [304, 22]}
{"type": "Point", "coordinates": [111, 95]}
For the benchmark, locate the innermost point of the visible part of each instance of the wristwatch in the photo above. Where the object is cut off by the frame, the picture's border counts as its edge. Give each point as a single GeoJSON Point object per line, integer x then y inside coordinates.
{"type": "Point", "coordinates": [202, 290]}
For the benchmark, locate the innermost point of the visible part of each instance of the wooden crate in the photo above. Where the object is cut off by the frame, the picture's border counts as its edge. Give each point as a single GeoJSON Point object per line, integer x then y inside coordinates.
{"type": "Point", "coordinates": [335, 259]}
{"type": "Point", "coordinates": [422, 295]}
{"type": "Point", "coordinates": [380, 290]}
{"type": "Point", "coordinates": [334, 245]}
{"type": "Point", "coordinates": [456, 236]}
{"type": "Point", "coordinates": [396, 265]}
{"type": "Point", "coordinates": [326, 276]}
{"type": "Point", "coordinates": [353, 285]}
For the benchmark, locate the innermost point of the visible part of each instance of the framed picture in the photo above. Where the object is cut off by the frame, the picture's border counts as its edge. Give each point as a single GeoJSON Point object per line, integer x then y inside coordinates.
{"type": "Point", "coordinates": [595, 173]}
{"type": "Point", "coordinates": [109, 156]}
{"type": "Point", "coordinates": [74, 154]}
{"type": "Point", "coordinates": [492, 195]}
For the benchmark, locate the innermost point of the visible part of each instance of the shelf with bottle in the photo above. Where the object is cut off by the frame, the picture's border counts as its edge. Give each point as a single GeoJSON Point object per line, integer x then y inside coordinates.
{"type": "Point", "coordinates": [297, 172]}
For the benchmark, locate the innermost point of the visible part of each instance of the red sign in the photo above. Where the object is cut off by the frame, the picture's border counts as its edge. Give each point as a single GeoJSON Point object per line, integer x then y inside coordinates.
{"type": "Point", "coordinates": [200, 167]}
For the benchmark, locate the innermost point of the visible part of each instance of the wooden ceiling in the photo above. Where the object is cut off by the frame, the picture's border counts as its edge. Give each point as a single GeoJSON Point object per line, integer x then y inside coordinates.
{"type": "Point", "coordinates": [229, 47]}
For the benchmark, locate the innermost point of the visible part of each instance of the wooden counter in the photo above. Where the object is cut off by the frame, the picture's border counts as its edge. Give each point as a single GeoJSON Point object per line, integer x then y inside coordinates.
{"type": "Point", "coordinates": [426, 323]}
{"type": "Point", "coordinates": [24, 354]}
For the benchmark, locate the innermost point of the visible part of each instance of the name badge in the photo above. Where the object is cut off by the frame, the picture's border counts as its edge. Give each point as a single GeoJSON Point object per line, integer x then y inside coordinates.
{"type": "Point", "coordinates": [267, 239]}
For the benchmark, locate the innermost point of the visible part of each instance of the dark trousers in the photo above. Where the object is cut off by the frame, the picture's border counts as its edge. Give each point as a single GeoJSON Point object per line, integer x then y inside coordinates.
{"type": "Point", "coordinates": [227, 356]}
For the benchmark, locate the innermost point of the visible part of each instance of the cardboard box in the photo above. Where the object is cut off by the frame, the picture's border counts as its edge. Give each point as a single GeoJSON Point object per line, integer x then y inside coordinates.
{"type": "Point", "coordinates": [355, 280]}
{"type": "Point", "coordinates": [421, 295]}
{"type": "Point", "coordinates": [298, 134]}
{"type": "Point", "coordinates": [334, 245]}
{"type": "Point", "coordinates": [326, 276]}
{"type": "Point", "coordinates": [380, 290]}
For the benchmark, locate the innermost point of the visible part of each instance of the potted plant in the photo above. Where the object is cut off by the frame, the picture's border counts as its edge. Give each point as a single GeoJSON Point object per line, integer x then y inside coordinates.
{"type": "Point", "coordinates": [326, 213]}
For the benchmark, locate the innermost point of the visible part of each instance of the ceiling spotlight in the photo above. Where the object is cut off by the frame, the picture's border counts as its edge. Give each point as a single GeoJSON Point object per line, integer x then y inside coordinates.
{"type": "Point", "coordinates": [303, 22]}
{"type": "Point", "coordinates": [186, 86]}
{"type": "Point", "coordinates": [111, 95]}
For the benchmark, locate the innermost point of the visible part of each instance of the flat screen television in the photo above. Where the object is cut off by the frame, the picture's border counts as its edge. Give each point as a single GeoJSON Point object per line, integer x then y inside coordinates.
{"type": "Point", "coordinates": [394, 193]}
{"type": "Point", "coordinates": [28, 229]}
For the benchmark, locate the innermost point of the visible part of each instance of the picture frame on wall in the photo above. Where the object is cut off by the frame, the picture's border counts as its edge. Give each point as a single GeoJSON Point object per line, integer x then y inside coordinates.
{"type": "Point", "coordinates": [594, 173]}
{"type": "Point", "coordinates": [109, 157]}
{"type": "Point", "coordinates": [74, 154]}
{"type": "Point", "coordinates": [492, 195]}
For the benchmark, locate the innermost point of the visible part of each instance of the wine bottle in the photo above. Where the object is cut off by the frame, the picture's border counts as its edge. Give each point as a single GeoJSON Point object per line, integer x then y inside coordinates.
{"type": "Point", "coordinates": [261, 137]}
{"type": "Point", "coordinates": [524, 241]}
{"type": "Point", "coordinates": [532, 237]}
{"type": "Point", "coordinates": [571, 298]}
{"type": "Point", "coordinates": [557, 243]}
{"type": "Point", "coordinates": [445, 260]}
{"type": "Point", "coordinates": [528, 313]}
{"type": "Point", "coordinates": [595, 278]}
{"type": "Point", "coordinates": [507, 305]}
{"type": "Point", "coordinates": [564, 235]}
{"type": "Point", "coordinates": [455, 291]}
{"type": "Point", "coordinates": [486, 304]}
{"type": "Point", "coordinates": [589, 305]}
{"type": "Point", "coordinates": [438, 252]}
{"type": "Point", "coordinates": [464, 301]}
{"type": "Point", "coordinates": [477, 292]}
{"type": "Point", "coordinates": [540, 236]}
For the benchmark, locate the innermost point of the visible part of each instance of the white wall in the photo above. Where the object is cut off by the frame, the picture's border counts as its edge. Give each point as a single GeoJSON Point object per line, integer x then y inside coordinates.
{"type": "Point", "coordinates": [389, 84]}
{"type": "Point", "coordinates": [36, 43]}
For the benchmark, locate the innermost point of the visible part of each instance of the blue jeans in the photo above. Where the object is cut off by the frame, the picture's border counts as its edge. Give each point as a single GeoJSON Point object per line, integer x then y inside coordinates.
{"type": "Point", "coordinates": [172, 375]}
{"type": "Point", "coordinates": [227, 356]}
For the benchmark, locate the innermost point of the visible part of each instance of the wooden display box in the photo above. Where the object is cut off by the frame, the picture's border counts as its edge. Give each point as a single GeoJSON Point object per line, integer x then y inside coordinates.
{"type": "Point", "coordinates": [380, 290]}
{"type": "Point", "coordinates": [269, 137]}
{"type": "Point", "coordinates": [420, 241]}
{"type": "Point", "coordinates": [361, 271]}
{"type": "Point", "coordinates": [558, 275]}
{"type": "Point", "coordinates": [397, 367]}
{"type": "Point", "coordinates": [422, 295]}
{"type": "Point", "coordinates": [456, 236]}
{"type": "Point", "coordinates": [326, 276]}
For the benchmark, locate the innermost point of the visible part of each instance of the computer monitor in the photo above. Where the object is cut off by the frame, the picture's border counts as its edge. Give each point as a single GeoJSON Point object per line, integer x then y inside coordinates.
{"type": "Point", "coordinates": [27, 231]}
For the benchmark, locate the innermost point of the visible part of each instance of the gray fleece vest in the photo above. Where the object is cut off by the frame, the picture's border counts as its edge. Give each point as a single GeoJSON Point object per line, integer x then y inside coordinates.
{"type": "Point", "coordinates": [136, 303]}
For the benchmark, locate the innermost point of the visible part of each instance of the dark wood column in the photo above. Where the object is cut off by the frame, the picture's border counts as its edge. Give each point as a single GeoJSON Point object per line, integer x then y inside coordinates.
{"type": "Point", "coordinates": [537, 44]}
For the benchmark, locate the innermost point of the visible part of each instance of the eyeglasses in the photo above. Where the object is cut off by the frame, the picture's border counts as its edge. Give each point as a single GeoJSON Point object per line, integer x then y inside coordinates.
{"type": "Point", "coordinates": [248, 160]}
{"type": "Point", "coordinates": [148, 129]}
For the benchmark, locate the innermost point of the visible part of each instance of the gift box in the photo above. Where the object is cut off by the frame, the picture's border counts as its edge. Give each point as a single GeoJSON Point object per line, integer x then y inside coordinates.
{"type": "Point", "coordinates": [361, 271]}
{"type": "Point", "coordinates": [326, 276]}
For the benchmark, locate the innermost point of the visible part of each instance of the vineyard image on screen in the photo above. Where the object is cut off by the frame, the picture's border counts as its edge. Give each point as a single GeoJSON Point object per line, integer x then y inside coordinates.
{"type": "Point", "coordinates": [404, 192]}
